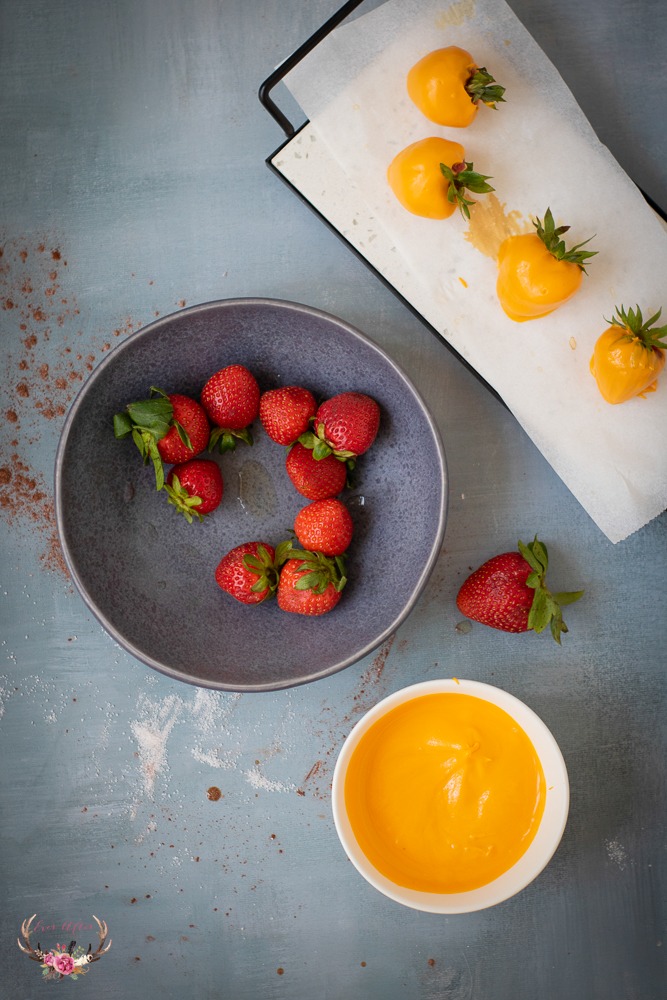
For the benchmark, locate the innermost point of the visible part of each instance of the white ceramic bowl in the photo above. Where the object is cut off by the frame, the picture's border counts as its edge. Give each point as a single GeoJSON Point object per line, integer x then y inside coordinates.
{"type": "Point", "coordinates": [541, 848]}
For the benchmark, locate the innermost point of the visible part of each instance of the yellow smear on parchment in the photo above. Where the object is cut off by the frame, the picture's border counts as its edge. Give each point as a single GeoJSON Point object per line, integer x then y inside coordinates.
{"type": "Point", "coordinates": [491, 223]}
{"type": "Point", "coordinates": [457, 13]}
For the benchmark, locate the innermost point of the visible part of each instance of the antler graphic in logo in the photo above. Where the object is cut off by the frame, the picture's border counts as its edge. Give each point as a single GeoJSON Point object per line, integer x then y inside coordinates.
{"type": "Point", "coordinates": [61, 962]}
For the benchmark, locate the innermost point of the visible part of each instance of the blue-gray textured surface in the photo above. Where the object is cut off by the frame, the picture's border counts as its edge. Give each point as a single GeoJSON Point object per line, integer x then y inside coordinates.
{"type": "Point", "coordinates": [133, 182]}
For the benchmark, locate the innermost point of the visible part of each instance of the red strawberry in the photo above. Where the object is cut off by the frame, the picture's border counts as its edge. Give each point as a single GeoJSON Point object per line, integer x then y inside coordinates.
{"type": "Point", "coordinates": [191, 417]}
{"type": "Point", "coordinates": [231, 400]}
{"type": "Point", "coordinates": [164, 428]}
{"type": "Point", "coordinates": [508, 593]}
{"type": "Point", "coordinates": [248, 572]}
{"type": "Point", "coordinates": [310, 583]}
{"type": "Point", "coordinates": [314, 479]}
{"type": "Point", "coordinates": [324, 526]}
{"type": "Point", "coordinates": [345, 425]}
{"type": "Point", "coordinates": [195, 488]}
{"type": "Point", "coordinates": [285, 413]}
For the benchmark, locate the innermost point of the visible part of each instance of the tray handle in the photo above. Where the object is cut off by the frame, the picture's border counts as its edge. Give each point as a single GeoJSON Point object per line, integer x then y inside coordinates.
{"type": "Point", "coordinates": [271, 81]}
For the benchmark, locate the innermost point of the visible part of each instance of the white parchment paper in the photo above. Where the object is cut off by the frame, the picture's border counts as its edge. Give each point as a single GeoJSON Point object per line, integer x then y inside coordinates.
{"type": "Point", "coordinates": [541, 152]}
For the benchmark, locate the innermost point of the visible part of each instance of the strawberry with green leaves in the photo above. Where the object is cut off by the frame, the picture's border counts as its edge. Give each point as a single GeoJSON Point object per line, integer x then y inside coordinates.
{"type": "Point", "coordinates": [537, 272]}
{"type": "Point", "coordinates": [286, 412]}
{"type": "Point", "coordinates": [344, 426]}
{"type": "Point", "coordinates": [165, 428]}
{"type": "Point", "coordinates": [509, 593]}
{"type": "Point", "coordinates": [195, 488]}
{"type": "Point", "coordinates": [249, 572]}
{"type": "Point", "coordinates": [324, 526]}
{"type": "Point", "coordinates": [312, 478]}
{"type": "Point", "coordinates": [231, 400]}
{"type": "Point", "coordinates": [629, 355]}
{"type": "Point", "coordinates": [310, 583]}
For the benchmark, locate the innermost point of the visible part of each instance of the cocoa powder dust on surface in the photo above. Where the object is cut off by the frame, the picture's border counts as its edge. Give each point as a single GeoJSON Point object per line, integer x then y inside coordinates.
{"type": "Point", "coordinates": [46, 357]}
{"type": "Point", "coordinates": [317, 781]}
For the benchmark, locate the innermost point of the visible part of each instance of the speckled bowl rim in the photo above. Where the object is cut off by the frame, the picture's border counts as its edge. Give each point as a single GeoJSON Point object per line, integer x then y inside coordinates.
{"type": "Point", "coordinates": [90, 602]}
{"type": "Point", "coordinates": [539, 852]}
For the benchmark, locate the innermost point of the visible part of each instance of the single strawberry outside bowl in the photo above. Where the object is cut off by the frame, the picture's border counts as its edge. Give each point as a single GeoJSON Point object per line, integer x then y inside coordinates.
{"type": "Point", "coordinates": [148, 575]}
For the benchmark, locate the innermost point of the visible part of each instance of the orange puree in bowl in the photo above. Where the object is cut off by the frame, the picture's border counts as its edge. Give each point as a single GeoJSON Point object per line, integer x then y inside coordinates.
{"type": "Point", "coordinates": [444, 793]}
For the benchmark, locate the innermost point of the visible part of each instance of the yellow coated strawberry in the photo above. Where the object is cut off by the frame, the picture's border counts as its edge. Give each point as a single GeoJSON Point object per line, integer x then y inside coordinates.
{"type": "Point", "coordinates": [629, 355]}
{"type": "Point", "coordinates": [448, 86]}
{"type": "Point", "coordinates": [537, 273]}
{"type": "Point", "coordinates": [430, 178]}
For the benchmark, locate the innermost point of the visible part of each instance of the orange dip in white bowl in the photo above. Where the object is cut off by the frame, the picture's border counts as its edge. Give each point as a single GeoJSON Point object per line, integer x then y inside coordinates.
{"type": "Point", "coordinates": [450, 796]}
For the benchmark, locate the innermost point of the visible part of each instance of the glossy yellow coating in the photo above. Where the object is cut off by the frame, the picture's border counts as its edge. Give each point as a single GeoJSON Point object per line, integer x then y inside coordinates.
{"type": "Point", "coordinates": [531, 281]}
{"type": "Point", "coordinates": [436, 84]}
{"type": "Point", "coordinates": [623, 366]}
{"type": "Point", "coordinates": [415, 177]}
{"type": "Point", "coordinates": [444, 793]}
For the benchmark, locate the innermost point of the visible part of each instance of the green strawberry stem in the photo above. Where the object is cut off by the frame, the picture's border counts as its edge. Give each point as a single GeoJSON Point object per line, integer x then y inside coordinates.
{"type": "Point", "coordinates": [550, 235]}
{"type": "Point", "coordinates": [481, 86]}
{"type": "Point", "coordinates": [636, 328]}
{"type": "Point", "coordinates": [223, 439]}
{"type": "Point", "coordinates": [147, 422]}
{"type": "Point", "coordinates": [322, 570]}
{"type": "Point", "coordinates": [266, 570]}
{"type": "Point", "coordinates": [462, 178]}
{"type": "Point", "coordinates": [321, 448]}
{"type": "Point", "coordinates": [182, 501]}
{"type": "Point", "coordinates": [546, 607]}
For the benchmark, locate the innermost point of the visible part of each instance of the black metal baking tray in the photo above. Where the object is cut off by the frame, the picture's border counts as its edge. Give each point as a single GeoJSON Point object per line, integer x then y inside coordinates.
{"type": "Point", "coordinates": [291, 131]}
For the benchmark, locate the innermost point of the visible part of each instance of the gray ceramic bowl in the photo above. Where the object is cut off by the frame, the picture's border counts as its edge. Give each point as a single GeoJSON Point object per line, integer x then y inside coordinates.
{"type": "Point", "coordinates": [148, 576]}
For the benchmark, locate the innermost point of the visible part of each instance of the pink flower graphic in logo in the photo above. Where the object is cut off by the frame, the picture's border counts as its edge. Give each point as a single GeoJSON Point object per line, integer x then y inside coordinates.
{"type": "Point", "coordinates": [72, 960]}
{"type": "Point", "coordinates": [63, 963]}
